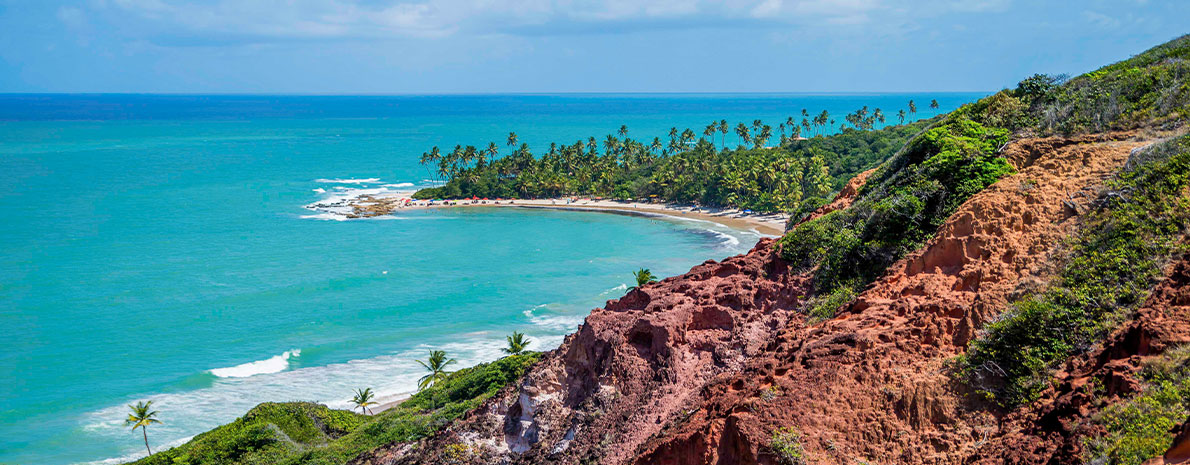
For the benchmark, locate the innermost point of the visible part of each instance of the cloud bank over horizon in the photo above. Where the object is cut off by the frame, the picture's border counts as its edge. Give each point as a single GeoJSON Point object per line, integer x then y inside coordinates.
{"type": "Point", "coordinates": [430, 46]}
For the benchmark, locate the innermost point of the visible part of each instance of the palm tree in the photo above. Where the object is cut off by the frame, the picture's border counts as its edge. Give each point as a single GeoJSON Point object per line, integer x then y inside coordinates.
{"type": "Point", "coordinates": [723, 130]}
{"type": "Point", "coordinates": [512, 139]}
{"type": "Point", "coordinates": [436, 365]}
{"type": "Point", "coordinates": [742, 131]}
{"type": "Point", "coordinates": [363, 398]}
{"type": "Point", "coordinates": [901, 115]}
{"type": "Point", "coordinates": [623, 130]}
{"type": "Point", "coordinates": [516, 344]}
{"type": "Point", "coordinates": [644, 276]}
{"type": "Point", "coordinates": [710, 130]}
{"type": "Point", "coordinates": [912, 108]}
{"type": "Point", "coordinates": [934, 105]}
{"type": "Point", "coordinates": [141, 418]}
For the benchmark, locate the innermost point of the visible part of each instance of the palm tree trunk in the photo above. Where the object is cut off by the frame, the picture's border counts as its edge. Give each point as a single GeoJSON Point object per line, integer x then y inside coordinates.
{"type": "Point", "coordinates": [145, 432]}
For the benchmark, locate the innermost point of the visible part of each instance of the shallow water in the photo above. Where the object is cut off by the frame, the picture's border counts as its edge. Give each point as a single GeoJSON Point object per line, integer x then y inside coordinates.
{"type": "Point", "coordinates": [157, 248]}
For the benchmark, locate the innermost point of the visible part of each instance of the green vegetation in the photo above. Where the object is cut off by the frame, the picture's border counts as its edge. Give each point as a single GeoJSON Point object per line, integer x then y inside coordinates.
{"type": "Point", "coordinates": [294, 433]}
{"type": "Point", "coordinates": [1142, 427]}
{"type": "Point", "coordinates": [1116, 258]}
{"type": "Point", "coordinates": [516, 343]}
{"type": "Point", "coordinates": [1152, 88]}
{"type": "Point", "coordinates": [363, 399]}
{"type": "Point", "coordinates": [643, 277]}
{"type": "Point", "coordinates": [436, 365]}
{"type": "Point", "coordinates": [786, 444]}
{"type": "Point", "coordinates": [898, 209]}
{"type": "Point", "coordinates": [796, 176]}
{"type": "Point", "coordinates": [907, 199]}
{"type": "Point", "coordinates": [141, 417]}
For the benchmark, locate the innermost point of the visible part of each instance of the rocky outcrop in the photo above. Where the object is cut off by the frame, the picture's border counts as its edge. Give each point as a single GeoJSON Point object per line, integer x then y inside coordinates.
{"type": "Point", "coordinates": [629, 369]}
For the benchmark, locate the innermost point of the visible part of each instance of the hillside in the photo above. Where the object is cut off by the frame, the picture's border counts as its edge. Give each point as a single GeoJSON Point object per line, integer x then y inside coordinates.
{"type": "Point", "coordinates": [1009, 286]}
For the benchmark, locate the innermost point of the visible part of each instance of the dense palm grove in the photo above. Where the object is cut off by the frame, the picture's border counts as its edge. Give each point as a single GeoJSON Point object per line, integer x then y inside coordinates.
{"type": "Point", "coordinates": [798, 174]}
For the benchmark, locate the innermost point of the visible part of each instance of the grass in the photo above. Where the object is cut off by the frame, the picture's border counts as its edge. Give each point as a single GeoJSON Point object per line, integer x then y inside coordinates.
{"type": "Point", "coordinates": [1116, 258]}
{"type": "Point", "coordinates": [309, 433]}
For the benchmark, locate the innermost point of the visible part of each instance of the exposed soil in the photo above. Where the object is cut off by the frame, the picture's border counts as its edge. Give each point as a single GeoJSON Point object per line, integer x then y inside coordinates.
{"type": "Point", "coordinates": [704, 367]}
{"type": "Point", "coordinates": [872, 384]}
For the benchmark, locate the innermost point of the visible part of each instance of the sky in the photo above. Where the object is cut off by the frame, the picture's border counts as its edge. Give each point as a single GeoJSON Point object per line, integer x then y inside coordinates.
{"type": "Point", "coordinates": [547, 46]}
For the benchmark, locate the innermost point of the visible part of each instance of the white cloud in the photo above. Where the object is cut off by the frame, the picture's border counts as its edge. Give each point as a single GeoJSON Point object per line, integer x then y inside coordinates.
{"type": "Point", "coordinates": [267, 20]}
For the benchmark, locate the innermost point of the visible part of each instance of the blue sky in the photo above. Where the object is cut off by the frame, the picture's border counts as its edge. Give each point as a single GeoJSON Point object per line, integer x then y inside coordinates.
{"type": "Point", "coordinates": [465, 46]}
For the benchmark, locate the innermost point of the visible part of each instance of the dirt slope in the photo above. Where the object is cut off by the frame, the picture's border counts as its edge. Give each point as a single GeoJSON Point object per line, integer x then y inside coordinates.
{"type": "Point", "coordinates": [703, 367]}
{"type": "Point", "coordinates": [871, 384]}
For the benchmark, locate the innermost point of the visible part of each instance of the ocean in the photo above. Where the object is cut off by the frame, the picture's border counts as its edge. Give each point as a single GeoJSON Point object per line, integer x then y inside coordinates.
{"type": "Point", "coordinates": [155, 247]}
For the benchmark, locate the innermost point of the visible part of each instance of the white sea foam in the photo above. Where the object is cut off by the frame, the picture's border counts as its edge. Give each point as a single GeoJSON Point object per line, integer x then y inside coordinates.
{"type": "Point", "coordinates": [615, 290]}
{"type": "Point", "coordinates": [391, 377]}
{"type": "Point", "coordinates": [270, 365]}
{"type": "Point", "coordinates": [399, 184]}
{"type": "Point", "coordinates": [349, 181]}
{"type": "Point", "coordinates": [553, 323]}
{"type": "Point", "coordinates": [320, 190]}
{"type": "Point", "coordinates": [727, 240]}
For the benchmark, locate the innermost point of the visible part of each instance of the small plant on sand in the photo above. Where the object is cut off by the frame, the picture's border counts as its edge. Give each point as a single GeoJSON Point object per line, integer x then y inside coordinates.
{"type": "Point", "coordinates": [643, 277]}
{"type": "Point", "coordinates": [436, 365]}
{"type": "Point", "coordinates": [141, 417]}
{"type": "Point", "coordinates": [786, 445]}
{"type": "Point", "coordinates": [363, 399]}
{"type": "Point", "coordinates": [516, 343]}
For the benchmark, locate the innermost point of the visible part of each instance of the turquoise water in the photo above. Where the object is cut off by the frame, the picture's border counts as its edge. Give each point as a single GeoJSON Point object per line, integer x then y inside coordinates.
{"type": "Point", "coordinates": [155, 247]}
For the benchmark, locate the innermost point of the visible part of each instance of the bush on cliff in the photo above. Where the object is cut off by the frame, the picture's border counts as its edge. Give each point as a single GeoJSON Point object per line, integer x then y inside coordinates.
{"type": "Point", "coordinates": [1119, 254]}
{"type": "Point", "coordinates": [1142, 427]}
{"type": "Point", "coordinates": [900, 207]}
{"type": "Point", "coordinates": [309, 433]}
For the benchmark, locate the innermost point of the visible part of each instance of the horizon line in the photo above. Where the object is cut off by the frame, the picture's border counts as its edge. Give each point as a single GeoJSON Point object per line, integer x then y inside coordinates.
{"type": "Point", "coordinates": [459, 94]}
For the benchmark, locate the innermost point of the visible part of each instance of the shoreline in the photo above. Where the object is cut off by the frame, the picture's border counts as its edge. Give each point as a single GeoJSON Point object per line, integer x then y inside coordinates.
{"type": "Point", "coordinates": [368, 206]}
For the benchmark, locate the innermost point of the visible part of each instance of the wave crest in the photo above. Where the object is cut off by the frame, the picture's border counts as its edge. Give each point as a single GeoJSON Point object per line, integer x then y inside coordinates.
{"type": "Point", "coordinates": [273, 364]}
{"type": "Point", "coordinates": [349, 181]}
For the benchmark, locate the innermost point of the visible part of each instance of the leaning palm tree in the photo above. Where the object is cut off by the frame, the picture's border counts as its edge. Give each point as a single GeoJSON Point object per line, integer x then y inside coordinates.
{"type": "Point", "coordinates": [934, 105]}
{"type": "Point", "coordinates": [141, 417]}
{"type": "Point", "coordinates": [436, 365]}
{"type": "Point", "coordinates": [363, 399]}
{"type": "Point", "coordinates": [901, 115]}
{"type": "Point", "coordinates": [644, 276]}
{"type": "Point", "coordinates": [516, 344]}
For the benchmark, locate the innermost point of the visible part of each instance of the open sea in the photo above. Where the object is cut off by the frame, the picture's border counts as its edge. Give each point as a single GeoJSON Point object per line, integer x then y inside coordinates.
{"type": "Point", "coordinates": [155, 247]}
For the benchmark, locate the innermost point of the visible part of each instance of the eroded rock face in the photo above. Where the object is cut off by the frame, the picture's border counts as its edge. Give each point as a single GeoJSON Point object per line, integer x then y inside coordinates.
{"type": "Point", "coordinates": [872, 384]}
{"type": "Point", "coordinates": [629, 369]}
{"type": "Point", "coordinates": [704, 367]}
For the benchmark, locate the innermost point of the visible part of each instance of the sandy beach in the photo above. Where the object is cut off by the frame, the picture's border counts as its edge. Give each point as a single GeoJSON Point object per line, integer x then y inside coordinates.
{"type": "Point", "coordinates": [365, 206]}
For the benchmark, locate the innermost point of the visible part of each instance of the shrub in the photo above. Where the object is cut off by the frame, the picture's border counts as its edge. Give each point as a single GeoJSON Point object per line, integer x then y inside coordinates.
{"type": "Point", "coordinates": [786, 444]}
{"type": "Point", "coordinates": [1142, 427]}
